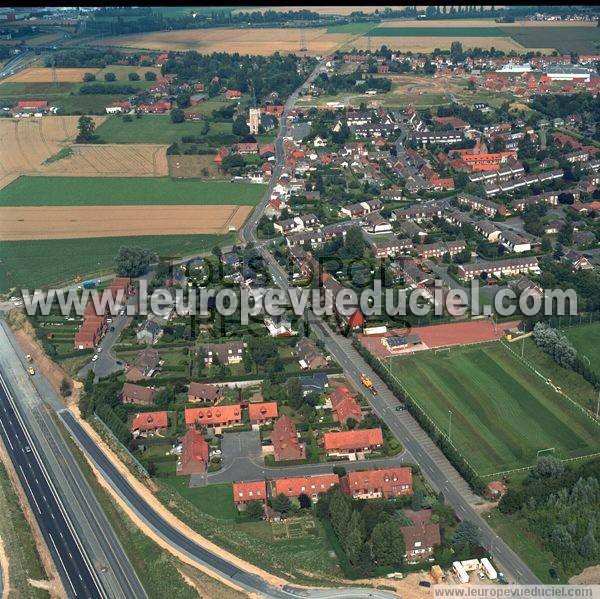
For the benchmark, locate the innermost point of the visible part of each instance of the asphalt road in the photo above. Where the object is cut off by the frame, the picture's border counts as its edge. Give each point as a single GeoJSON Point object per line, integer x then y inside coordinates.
{"type": "Point", "coordinates": [74, 567]}
{"type": "Point", "coordinates": [436, 468]}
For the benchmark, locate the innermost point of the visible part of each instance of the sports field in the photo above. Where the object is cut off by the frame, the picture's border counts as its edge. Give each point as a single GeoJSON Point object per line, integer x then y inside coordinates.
{"type": "Point", "coordinates": [48, 262]}
{"type": "Point", "coordinates": [115, 191]}
{"type": "Point", "coordinates": [502, 412]}
{"type": "Point", "coordinates": [586, 340]}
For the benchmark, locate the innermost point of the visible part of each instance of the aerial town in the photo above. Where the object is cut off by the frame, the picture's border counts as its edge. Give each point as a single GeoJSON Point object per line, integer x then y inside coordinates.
{"type": "Point", "coordinates": [447, 156]}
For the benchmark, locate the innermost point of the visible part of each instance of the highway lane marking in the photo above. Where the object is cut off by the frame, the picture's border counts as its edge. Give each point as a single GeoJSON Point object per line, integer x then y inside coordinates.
{"type": "Point", "coordinates": [62, 563]}
{"type": "Point", "coordinates": [6, 434]}
{"type": "Point", "coordinates": [30, 489]}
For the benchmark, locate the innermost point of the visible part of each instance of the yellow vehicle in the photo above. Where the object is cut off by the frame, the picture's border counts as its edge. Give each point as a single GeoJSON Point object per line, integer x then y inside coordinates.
{"type": "Point", "coordinates": [31, 370]}
{"type": "Point", "coordinates": [368, 383]}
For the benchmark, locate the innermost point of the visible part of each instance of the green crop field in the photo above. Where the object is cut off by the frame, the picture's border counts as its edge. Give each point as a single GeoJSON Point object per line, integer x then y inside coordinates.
{"type": "Point", "coordinates": [564, 39]}
{"type": "Point", "coordinates": [456, 32]}
{"type": "Point", "coordinates": [502, 412]}
{"type": "Point", "coordinates": [43, 263]}
{"type": "Point", "coordinates": [119, 191]}
{"type": "Point", "coordinates": [159, 129]}
{"type": "Point", "coordinates": [586, 340]}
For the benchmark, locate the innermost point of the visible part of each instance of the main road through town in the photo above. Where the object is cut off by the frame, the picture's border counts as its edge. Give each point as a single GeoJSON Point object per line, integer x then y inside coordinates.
{"type": "Point", "coordinates": [437, 469]}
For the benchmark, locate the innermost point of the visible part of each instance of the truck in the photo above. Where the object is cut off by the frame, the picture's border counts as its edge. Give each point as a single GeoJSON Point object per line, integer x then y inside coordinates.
{"type": "Point", "coordinates": [89, 284]}
{"type": "Point", "coordinates": [368, 383]}
{"type": "Point", "coordinates": [31, 370]}
{"type": "Point", "coordinates": [462, 574]}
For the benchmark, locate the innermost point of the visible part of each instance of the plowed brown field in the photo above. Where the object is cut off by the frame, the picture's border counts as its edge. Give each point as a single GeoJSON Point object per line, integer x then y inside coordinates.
{"type": "Point", "coordinates": [69, 222]}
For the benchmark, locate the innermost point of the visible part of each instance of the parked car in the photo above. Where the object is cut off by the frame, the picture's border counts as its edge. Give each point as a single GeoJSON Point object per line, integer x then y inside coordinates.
{"type": "Point", "coordinates": [94, 357]}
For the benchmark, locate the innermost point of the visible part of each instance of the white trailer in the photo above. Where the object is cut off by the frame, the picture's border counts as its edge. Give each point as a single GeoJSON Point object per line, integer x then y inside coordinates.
{"type": "Point", "coordinates": [489, 569]}
{"type": "Point", "coordinates": [461, 572]}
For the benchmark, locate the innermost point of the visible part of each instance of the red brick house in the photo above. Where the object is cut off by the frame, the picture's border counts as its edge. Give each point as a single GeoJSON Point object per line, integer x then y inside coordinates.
{"type": "Point", "coordinates": [346, 442]}
{"type": "Point", "coordinates": [373, 484]}
{"type": "Point", "coordinates": [286, 445]}
{"type": "Point", "coordinates": [194, 454]}
{"type": "Point", "coordinates": [137, 394]}
{"type": "Point", "coordinates": [344, 405]}
{"type": "Point", "coordinates": [246, 148]}
{"type": "Point", "coordinates": [243, 492]}
{"type": "Point", "coordinates": [420, 539]}
{"type": "Point", "coordinates": [217, 416]}
{"type": "Point", "coordinates": [149, 422]}
{"type": "Point", "coordinates": [204, 392]}
{"type": "Point", "coordinates": [262, 413]}
{"type": "Point", "coordinates": [232, 94]}
{"type": "Point", "coordinates": [307, 485]}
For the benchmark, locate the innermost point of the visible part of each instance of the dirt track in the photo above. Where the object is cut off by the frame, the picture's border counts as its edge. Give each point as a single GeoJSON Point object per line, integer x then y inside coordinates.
{"type": "Point", "coordinates": [69, 222]}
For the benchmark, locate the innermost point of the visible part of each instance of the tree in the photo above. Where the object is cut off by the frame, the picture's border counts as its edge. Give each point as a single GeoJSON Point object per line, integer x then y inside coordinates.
{"type": "Point", "coordinates": [548, 466]}
{"type": "Point", "coordinates": [88, 384]}
{"type": "Point", "coordinates": [546, 244]}
{"type": "Point", "coordinates": [177, 115]}
{"type": "Point", "coordinates": [588, 547]}
{"type": "Point", "coordinates": [150, 76]}
{"type": "Point", "coordinates": [355, 537]}
{"type": "Point", "coordinates": [339, 512]}
{"type": "Point", "coordinates": [65, 388]}
{"type": "Point", "coordinates": [87, 77]}
{"type": "Point", "coordinates": [133, 261]}
{"type": "Point", "coordinates": [151, 468]}
{"type": "Point", "coordinates": [281, 503]}
{"type": "Point", "coordinates": [255, 510]}
{"type": "Point", "coordinates": [110, 76]}
{"type": "Point", "coordinates": [456, 51]}
{"type": "Point", "coordinates": [86, 127]}
{"type": "Point", "coordinates": [355, 243]}
{"type": "Point", "coordinates": [467, 533]}
{"type": "Point", "coordinates": [133, 76]}
{"type": "Point", "coordinates": [240, 127]}
{"type": "Point", "coordinates": [305, 501]}
{"type": "Point", "coordinates": [387, 543]}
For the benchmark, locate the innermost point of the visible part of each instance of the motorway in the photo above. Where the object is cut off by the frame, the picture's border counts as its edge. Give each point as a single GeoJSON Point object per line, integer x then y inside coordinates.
{"type": "Point", "coordinates": [75, 570]}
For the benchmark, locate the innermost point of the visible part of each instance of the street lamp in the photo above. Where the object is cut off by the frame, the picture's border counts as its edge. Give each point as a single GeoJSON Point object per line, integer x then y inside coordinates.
{"type": "Point", "coordinates": [450, 426]}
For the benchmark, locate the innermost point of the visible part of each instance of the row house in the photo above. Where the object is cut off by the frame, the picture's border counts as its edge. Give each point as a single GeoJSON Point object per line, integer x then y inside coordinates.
{"type": "Point", "coordinates": [387, 483]}
{"type": "Point", "coordinates": [375, 223]}
{"type": "Point", "coordinates": [414, 275]}
{"type": "Point", "coordinates": [359, 117]}
{"type": "Point", "coordinates": [149, 423]}
{"type": "Point", "coordinates": [438, 249]}
{"type": "Point", "coordinates": [361, 208]}
{"type": "Point", "coordinates": [488, 229]}
{"type": "Point", "coordinates": [550, 198]}
{"type": "Point", "coordinates": [412, 230]}
{"type": "Point", "coordinates": [305, 485]}
{"type": "Point", "coordinates": [390, 247]}
{"type": "Point", "coordinates": [476, 203]}
{"type": "Point", "coordinates": [298, 223]}
{"type": "Point", "coordinates": [417, 213]}
{"type": "Point", "coordinates": [214, 416]}
{"type": "Point", "coordinates": [392, 195]}
{"type": "Point", "coordinates": [514, 242]}
{"type": "Point", "coordinates": [499, 268]}
{"type": "Point", "coordinates": [578, 156]}
{"type": "Point", "coordinates": [437, 137]}
{"type": "Point", "coordinates": [262, 413]}
{"type": "Point", "coordinates": [374, 130]}
{"type": "Point", "coordinates": [345, 443]}
{"type": "Point", "coordinates": [246, 491]}
{"type": "Point", "coordinates": [230, 352]}
{"type": "Point", "coordinates": [459, 219]}
{"type": "Point", "coordinates": [309, 238]}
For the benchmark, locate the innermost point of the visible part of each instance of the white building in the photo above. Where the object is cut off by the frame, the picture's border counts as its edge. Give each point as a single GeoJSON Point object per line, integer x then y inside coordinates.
{"type": "Point", "coordinates": [568, 73]}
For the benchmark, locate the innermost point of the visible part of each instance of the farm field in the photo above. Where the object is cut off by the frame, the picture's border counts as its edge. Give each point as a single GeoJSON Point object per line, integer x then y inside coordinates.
{"type": "Point", "coordinates": [564, 39]}
{"type": "Point", "coordinates": [119, 191]}
{"type": "Point", "coordinates": [44, 75]}
{"type": "Point", "coordinates": [203, 166]}
{"type": "Point", "coordinates": [69, 222]}
{"type": "Point", "coordinates": [244, 41]}
{"type": "Point", "coordinates": [42, 263]}
{"type": "Point", "coordinates": [158, 129]}
{"type": "Point", "coordinates": [418, 43]}
{"type": "Point", "coordinates": [502, 412]}
{"type": "Point", "coordinates": [586, 340]}
{"type": "Point", "coordinates": [26, 143]}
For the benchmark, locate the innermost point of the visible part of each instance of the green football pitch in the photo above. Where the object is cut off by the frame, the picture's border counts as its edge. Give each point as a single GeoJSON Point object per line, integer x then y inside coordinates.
{"type": "Point", "coordinates": [502, 413]}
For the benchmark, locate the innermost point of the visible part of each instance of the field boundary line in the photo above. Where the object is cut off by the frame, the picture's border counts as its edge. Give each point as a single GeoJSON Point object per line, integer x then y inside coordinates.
{"type": "Point", "coordinates": [561, 392]}
{"type": "Point", "coordinates": [435, 426]}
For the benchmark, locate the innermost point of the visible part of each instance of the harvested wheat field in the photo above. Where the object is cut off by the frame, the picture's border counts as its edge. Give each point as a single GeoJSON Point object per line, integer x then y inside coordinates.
{"type": "Point", "coordinates": [26, 143]}
{"type": "Point", "coordinates": [419, 43]}
{"type": "Point", "coordinates": [72, 222]}
{"type": "Point", "coordinates": [244, 41]}
{"type": "Point", "coordinates": [44, 75]}
{"type": "Point", "coordinates": [110, 160]}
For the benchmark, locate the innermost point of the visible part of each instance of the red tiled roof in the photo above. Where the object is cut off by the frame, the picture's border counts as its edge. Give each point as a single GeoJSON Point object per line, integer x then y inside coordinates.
{"type": "Point", "coordinates": [285, 440]}
{"type": "Point", "coordinates": [309, 485]}
{"type": "Point", "coordinates": [250, 491]}
{"type": "Point", "coordinates": [32, 104]}
{"type": "Point", "coordinates": [344, 405]}
{"type": "Point", "coordinates": [349, 440]}
{"type": "Point", "coordinates": [194, 453]}
{"type": "Point", "coordinates": [387, 481]}
{"type": "Point", "coordinates": [262, 411]}
{"type": "Point", "coordinates": [150, 421]}
{"type": "Point", "coordinates": [216, 415]}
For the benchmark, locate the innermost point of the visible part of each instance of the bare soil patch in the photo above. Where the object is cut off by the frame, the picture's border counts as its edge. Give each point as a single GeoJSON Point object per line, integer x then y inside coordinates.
{"type": "Point", "coordinates": [111, 160]}
{"type": "Point", "coordinates": [244, 41]}
{"type": "Point", "coordinates": [26, 143]}
{"type": "Point", "coordinates": [70, 222]}
{"type": "Point", "coordinates": [193, 167]}
{"type": "Point", "coordinates": [44, 75]}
